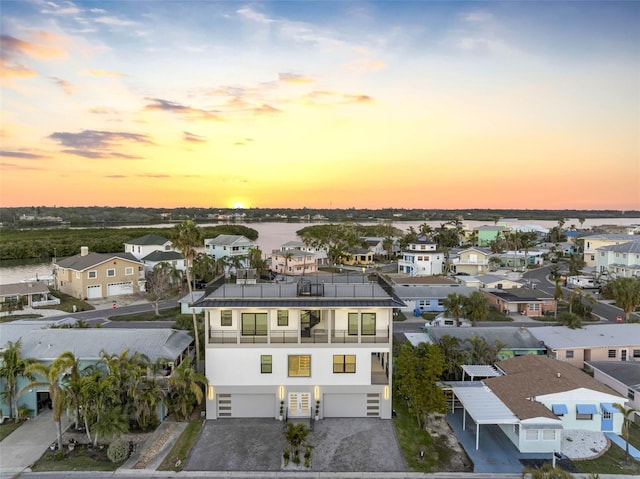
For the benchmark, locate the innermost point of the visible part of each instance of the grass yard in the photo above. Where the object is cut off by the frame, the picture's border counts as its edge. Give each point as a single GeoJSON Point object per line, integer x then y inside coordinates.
{"type": "Point", "coordinates": [8, 427]}
{"type": "Point", "coordinates": [176, 458]}
{"type": "Point", "coordinates": [412, 439]}
{"type": "Point", "coordinates": [165, 315]}
{"type": "Point", "coordinates": [613, 462]}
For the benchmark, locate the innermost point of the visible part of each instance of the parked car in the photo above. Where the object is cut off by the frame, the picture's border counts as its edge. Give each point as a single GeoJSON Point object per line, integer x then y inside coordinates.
{"type": "Point", "coordinates": [443, 321]}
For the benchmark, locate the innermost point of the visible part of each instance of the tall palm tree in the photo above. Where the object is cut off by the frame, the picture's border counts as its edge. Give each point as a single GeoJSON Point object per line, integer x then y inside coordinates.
{"type": "Point", "coordinates": [476, 307]}
{"type": "Point", "coordinates": [287, 256]}
{"type": "Point", "coordinates": [13, 366]}
{"type": "Point", "coordinates": [627, 416]}
{"type": "Point", "coordinates": [626, 293]}
{"type": "Point", "coordinates": [454, 306]}
{"type": "Point", "coordinates": [187, 236]}
{"type": "Point", "coordinates": [453, 356]}
{"type": "Point", "coordinates": [52, 377]}
{"type": "Point", "coordinates": [557, 296]}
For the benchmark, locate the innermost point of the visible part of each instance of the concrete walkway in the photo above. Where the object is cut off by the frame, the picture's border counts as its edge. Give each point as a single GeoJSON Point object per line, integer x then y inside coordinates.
{"type": "Point", "coordinates": [25, 445]}
{"type": "Point", "coordinates": [620, 442]}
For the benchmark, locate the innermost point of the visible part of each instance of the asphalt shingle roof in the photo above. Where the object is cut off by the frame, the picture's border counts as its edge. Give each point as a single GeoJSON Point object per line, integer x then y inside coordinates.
{"type": "Point", "coordinates": [23, 288]}
{"type": "Point", "coordinates": [81, 263]}
{"type": "Point", "coordinates": [147, 240]}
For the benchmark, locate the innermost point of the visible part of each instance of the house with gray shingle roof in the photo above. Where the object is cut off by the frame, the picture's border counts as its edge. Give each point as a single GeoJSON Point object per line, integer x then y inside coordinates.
{"type": "Point", "coordinates": [147, 244]}
{"type": "Point", "coordinates": [621, 376]}
{"type": "Point", "coordinates": [99, 275]}
{"type": "Point", "coordinates": [619, 261]}
{"type": "Point", "coordinates": [35, 293]}
{"type": "Point", "coordinates": [230, 246]}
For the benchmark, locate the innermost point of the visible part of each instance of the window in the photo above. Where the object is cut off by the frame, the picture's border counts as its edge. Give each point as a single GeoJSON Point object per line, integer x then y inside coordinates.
{"type": "Point", "coordinates": [606, 414]}
{"type": "Point", "coordinates": [569, 354]}
{"type": "Point", "coordinates": [612, 353]}
{"type": "Point", "coordinates": [531, 434]}
{"type": "Point", "coordinates": [111, 272]}
{"type": "Point", "coordinates": [225, 318]}
{"type": "Point", "coordinates": [636, 353]}
{"type": "Point", "coordinates": [548, 434]}
{"type": "Point", "coordinates": [368, 324]}
{"type": "Point", "coordinates": [92, 274]}
{"type": "Point", "coordinates": [265, 364]}
{"type": "Point", "coordinates": [631, 394]}
{"type": "Point", "coordinates": [344, 363]}
{"type": "Point", "coordinates": [516, 429]}
{"type": "Point", "coordinates": [254, 324]}
{"type": "Point", "coordinates": [584, 417]}
{"type": "Point", "coordinates": [353, 324]}
{"type": "Point", "coordinates": [300, 366]}
{"type": "Point", "coordinates": [128, 271]}
{"type": "Point", "coordinates": [534, 307]}
{"type": "Point", "coordinates": [283, 317]}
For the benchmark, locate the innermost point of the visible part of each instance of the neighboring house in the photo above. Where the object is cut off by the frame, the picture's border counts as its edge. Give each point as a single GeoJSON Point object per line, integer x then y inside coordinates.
{"type": "Point", "coordinates": [547, 396]}
{"type": "Point", "coordinates": [171, 257]}
{"type": "Point", "coordinates": [497, 282]}
{"type": "Point", "coordinates": [320, 253]}
{"type": "Point", "coordinates": [99, 275]}
{"type": "Point", "coordinates": [591, 244]}
{"type": "Point", "coordinates": [487, 234]}
{"type": "Point", "coordinates": [521, 259]}
{"type": "Point", "coordinates": [314, 342]}
{"type": "Point", "coordinates": [43, 343]}
{"type": "Point", "coordinates": [524, 301]}
{"type": "Point", "coordinates": [597, 342]}
{"type": "Point", "coordinates": [623, 377]}
{"type": "Point", "coordinates": [428, 298]}
{"type": "Point", "coordinates": [185, 303]}
{"type": "Point", "coordinates": [516, 341]}
{"type": "Point", "coordinates": [421, 258]}
{"type": "Point", "coordinates": [376, 246]}
{"type": "Point", "coordinates": [147, 244]}
{"type": "Point", "coordinates": [230, 246]}
{"type": "Point", "coordinates": [357, 256]}
{"type": "Point", "coordinates": [471, 261]}
{"type": "Point", "coordinates": [293, 262]}
{"type": "Point", "coordinates": [34, 293]}
{"type": "Point", "coordinates": [619, 261]}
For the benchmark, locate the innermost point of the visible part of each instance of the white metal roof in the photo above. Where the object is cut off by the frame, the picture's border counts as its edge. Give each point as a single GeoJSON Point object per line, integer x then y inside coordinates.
{"type": "Point", "coordinates": [484, 407]}
{"type": "Point", "coordinates": [597, 335]}
{"type": "Point", "coordinates": [480, 371]}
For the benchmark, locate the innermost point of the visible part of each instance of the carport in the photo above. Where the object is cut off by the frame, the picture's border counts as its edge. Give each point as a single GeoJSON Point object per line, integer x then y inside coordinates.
{"type": "Point", "coordinates": [484, 407]}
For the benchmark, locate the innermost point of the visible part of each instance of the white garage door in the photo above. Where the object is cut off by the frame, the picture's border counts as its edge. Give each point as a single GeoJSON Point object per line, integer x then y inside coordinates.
{"type": "Point", "coordinates": [345, 405]}
{"type": "Point", "coordinates": [116, 289]}
{"type": "Point", "coordinates": [94, 291]}
{"type": "Point", "coordinates": [247, 405]}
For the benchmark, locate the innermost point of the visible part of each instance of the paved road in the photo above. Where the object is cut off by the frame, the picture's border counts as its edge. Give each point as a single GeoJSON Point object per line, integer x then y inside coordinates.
{"type": "Point", "coordinates": [102, 315]}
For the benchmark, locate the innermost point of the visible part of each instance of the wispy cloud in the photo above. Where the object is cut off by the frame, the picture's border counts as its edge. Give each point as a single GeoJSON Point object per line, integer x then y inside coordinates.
{"type": "Point", "coordinates": [66, 86]}
{"type": "Point", "coordinates": [16, 167]}
{"type": "Point", "coordinates": [323, 97]}
{"type": "Point", "coordinates": [60, 8]}
{"type": "Point", "coordinates": [21, 154]}
{"type": "Point", "coordinates": [99, 144]}
{"type": "Point", "coordinates": [244, 142]}
{"type": "Point", "coordinates": [191, 138]}
{"type": "Point", "coordinates": [188, 112]}
{"type": "Point", "coordinates": [294, 78]}
{"type": "Point", "coordinates": [11, 46]}
{"type": "Point", "coordinates": [102, 73]}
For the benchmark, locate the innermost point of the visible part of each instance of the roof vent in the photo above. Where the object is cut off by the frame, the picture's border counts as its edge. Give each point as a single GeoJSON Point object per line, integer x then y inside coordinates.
{"type": "Point", "coordinates": [558, 375]}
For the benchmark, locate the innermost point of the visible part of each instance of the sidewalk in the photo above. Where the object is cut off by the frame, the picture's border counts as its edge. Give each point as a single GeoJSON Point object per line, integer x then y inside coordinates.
{"type": "Point", "coordinates": [24, 446]}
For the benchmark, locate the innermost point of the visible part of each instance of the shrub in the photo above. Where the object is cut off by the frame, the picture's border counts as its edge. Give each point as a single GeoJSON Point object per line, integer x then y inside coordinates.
{"type": "Point", "coordinates": [118, 451]}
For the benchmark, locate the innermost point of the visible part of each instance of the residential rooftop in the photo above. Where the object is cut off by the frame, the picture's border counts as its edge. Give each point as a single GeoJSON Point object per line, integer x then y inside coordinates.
{"type": "Point", "coordinates": [591, 336]}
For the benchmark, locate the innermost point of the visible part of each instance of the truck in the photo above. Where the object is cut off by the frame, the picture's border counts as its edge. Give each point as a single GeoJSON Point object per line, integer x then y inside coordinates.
{"type": "Point", "coordinates": [582, 282]}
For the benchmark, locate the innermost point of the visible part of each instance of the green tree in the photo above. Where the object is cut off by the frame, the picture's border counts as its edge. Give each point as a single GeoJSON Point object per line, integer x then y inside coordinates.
{"type": "Point", "coordinates": [453, 357]}
{"type": "Point", "coordinates": [185, 390]}
{"type": "Point", "coordinates": [204, 267]}
{"type": "Point", "coordinates": [482, 352]}
{"type": "Point", "coordinates": [162, 283]}
{"type": "Point", "coordinates": [187, 237]}
{"type": "Point", "coordinates": [454, 305]}
{"type": "Point", "coordinates": [476, 307]}
{"type": "Point", "coordinates": [257, 262]}
{"type": "Point", "coordinates": [51, 376]}
{"type": "Point", "coordinates": [12, 367]}
{"type": "Point", "coordinates": [626, 293]}
{"type": "Point", "coordinates": [418, 370]}
{"type": "Point", "coordinates": [627, 416]}
{"type": "Point", "coordinates": [570, 320]}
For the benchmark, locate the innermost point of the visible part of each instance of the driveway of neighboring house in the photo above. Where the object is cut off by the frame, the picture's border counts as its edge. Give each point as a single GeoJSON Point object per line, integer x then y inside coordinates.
{"type": "Point", "coordinates": [339, 445]}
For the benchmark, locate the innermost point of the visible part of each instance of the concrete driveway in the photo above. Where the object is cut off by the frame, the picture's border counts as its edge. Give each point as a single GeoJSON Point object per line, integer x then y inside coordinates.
{"type": "Point", "coordinates": [340, 445]}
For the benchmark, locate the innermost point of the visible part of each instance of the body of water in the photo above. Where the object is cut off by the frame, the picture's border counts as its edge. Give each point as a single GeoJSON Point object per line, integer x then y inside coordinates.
{"type": "Point", "coordinates": [273, 235]}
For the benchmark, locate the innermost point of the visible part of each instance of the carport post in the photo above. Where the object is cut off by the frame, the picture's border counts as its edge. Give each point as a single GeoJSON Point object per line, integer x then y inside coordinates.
{"type": "Point", "coordinates": [464, 418]}
{"type": "Point", "coordinates": [477, 435]}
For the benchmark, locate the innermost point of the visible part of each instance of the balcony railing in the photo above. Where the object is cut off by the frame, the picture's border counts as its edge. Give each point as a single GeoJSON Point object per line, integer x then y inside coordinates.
{"type": "Point", "coordinates": [320, 336]}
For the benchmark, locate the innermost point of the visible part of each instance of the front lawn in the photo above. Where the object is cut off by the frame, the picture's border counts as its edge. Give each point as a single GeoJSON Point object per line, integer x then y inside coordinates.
{"type": "Point", "coordinates": [82, 458]}
{"type": "Point", "coordinates": [180, 451]}
{"type": "Point", "coordinates": [8, 426]}
{"type": "Point", "coordinates": [613, 461]}
{"type": "Point", "coordinates": [67, 303]}
{"type": "Point", "coordinates": [171, 314]}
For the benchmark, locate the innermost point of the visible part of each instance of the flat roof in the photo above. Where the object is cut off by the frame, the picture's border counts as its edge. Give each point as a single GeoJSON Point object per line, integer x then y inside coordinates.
{"type": "Point", "coordinates": [484, 407]}
{"type": "Point", "coordinates": [591, 336]}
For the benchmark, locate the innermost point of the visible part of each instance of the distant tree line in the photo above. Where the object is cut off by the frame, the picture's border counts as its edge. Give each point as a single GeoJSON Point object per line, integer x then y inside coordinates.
{"type": "Point", "coordinates": [48, 243]}
{"type": "Point", "coordinates": [97, 216]}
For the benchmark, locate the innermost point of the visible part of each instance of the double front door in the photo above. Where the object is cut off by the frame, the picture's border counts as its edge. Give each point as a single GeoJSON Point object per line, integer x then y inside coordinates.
{"type": "Point", "coordinates": [299, 404]}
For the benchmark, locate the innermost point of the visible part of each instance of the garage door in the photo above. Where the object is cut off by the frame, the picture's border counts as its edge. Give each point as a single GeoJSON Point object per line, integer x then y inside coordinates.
{"type": "Point", "coordinates": [345, 405]}
{"type": "Point", "coordinates": [94, 291]}
{"type": "Point", "coordinates": [116, 289]}
{"type": "Point", "coordinates": [246, 405]}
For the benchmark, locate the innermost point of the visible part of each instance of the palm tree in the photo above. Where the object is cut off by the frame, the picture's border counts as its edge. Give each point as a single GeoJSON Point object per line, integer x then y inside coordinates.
{"type": "Point", "coordinates": [627, 415]}
{"type": "Point", "coordinates": [148, 396]}
{"type": "Point", "coordinates": [626, 293]}
{"type": "Point", "coordinates": [187, 237]}
{"type": "Point", "coordinates": [454, 306]}
{"type": "Point", "coordinates": [453, 356]}
{"type": "Point", "coordinates": [476, 307]}
{"type": "Point", "coordinates": [12, 367]}
{"type": "Point", "coordinates": [185, 389]}
{"type": "Point", "coordinates": [287, 256]}
{"type": "Point", "coordinates": [52, 377]}
{"type": "Point", "coordinates": [570, 320]}
{"type": "Point", "coordinates": [557, 296]}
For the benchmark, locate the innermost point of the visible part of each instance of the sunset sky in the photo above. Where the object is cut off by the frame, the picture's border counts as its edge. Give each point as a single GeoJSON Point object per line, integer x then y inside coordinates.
{"type": "Point", "coordinates": [330, 104]}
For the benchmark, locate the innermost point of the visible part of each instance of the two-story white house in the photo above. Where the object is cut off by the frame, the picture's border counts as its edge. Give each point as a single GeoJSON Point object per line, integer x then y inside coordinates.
{"type": "Point", "coordinates": [421, 258]}
{"type": "Point", "coordinates": [619, 261]}
{"type": "Point", "coordinates": [321, 343]}
{"type": "Point", "coordinates": [230, 246]}
{"type": "Point", "coordinates": [147, 244]}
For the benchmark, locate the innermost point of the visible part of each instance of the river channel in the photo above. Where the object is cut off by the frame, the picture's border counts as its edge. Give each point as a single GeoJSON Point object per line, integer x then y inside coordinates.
{"type": "Point", "coordinates": [273, 235]}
